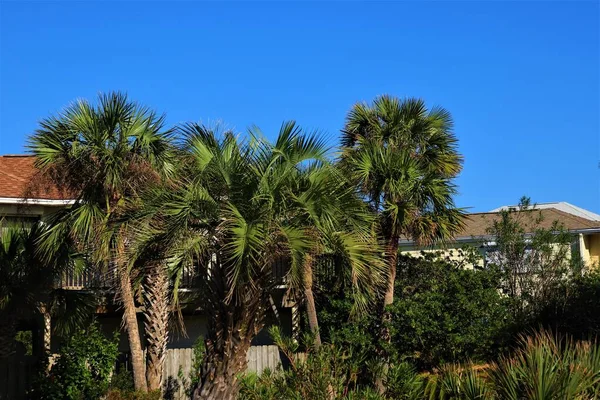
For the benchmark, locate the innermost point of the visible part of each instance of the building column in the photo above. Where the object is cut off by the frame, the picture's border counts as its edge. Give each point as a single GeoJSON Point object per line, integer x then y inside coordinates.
{"type": "Point", "coordinates": [583, 251]}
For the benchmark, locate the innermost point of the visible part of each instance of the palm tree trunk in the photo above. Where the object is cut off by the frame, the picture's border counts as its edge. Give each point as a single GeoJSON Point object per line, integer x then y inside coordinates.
{"type": "Point", "coordinates": [226, 352]}
{"type": "Point", "coordinates": [391, 260]}
{"type": "Point", "coordinates": [156, 324]}
{"type": "Point", "coordinates": [221, 367]}
{"type": "Point", "coordinates": [232, 326]}
{"type": "Point", "coordinates": [311, 309]}
{"type": "Point", "coordinates": [133, 333]}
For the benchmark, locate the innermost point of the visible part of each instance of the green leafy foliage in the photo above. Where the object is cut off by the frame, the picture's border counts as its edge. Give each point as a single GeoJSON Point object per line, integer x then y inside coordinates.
{"type": "Point", "coordinates": [83, 368]}
{"type": "Point", "coordinates": [26, 340]}
{"type": "Point", "coordinates": [133, 395]}
{"type": "Point", "coordinates": [442, 312]}
{"type": "Point", "coordinates": [574, 309]}
{"type": "Point", "coordinates": [197, 360]}
{"type": "Point", "coordinates": [326, 372]}
{"type": "Point", "coordinates": [446, 313]}
{"type": "Point", "coordinates": [534, 256]}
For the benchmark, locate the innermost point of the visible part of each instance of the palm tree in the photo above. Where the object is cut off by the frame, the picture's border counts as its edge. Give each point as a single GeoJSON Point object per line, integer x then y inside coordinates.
{"type": "Point", "coordinates": [27, 284]}
{"type": "Point", "coordinates": [341, 234]}
{"type": "Point", "coordinates": [105, 155]}
{"type": "Point", "coordinates": [144, 255]}
{"type": "Point", "coordinates": [403, 159]}
{"type": "Point", "coordinates": [238, 207]}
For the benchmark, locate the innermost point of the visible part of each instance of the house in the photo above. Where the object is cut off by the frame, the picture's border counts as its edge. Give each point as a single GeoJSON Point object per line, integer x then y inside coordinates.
{"type": "Point", "coordinates": [583, 224]}
{"type": "Point", "coordinates": [25, 196]}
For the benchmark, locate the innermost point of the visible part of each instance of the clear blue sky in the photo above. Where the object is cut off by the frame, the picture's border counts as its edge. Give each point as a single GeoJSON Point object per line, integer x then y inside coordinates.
{"type": "Point", "coordinates": [520, 78]}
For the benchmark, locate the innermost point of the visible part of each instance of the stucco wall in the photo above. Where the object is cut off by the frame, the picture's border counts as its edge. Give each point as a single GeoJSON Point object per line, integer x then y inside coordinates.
{"type": "Point", "coordinates": [594, 248]}
{"type": "Point", "coordinates": [456, 252]}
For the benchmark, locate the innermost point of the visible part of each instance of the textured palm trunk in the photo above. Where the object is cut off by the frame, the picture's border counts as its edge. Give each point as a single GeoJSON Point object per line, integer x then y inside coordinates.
{"type": "Point", "coordinates": [388, 299]}
{"type": "Point", "coordinates": [391, 259]}
{"type": "Point", "coordinates": [220, 370]}
{"type": "Point", "coordinates": [232, 326]}
{"type": "Point", "coordinates": [156, 315]}
{"type": "Point", "coordinates": [133, 333]}
{"type": "Point", "coordinates": [311, 309]}
{"type": "Point", "coordinates": [8, 330]}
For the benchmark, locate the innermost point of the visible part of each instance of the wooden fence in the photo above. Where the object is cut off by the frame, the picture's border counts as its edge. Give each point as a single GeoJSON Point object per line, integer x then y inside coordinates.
{"type": "Point", "coordinates": [17, 373]}
{"type": "Point", "coordinates": [178, 365]}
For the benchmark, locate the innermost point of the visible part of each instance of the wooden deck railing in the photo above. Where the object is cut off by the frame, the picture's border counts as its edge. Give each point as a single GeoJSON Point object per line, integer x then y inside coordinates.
{"type": "Point", "coordinates": [105, 280]}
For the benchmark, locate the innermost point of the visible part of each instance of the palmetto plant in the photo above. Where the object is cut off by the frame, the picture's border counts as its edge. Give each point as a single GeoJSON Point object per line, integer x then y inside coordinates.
{"type": "Point", "coordinates": [544, 367]}
{"type": "Point", "coordinates": [105, 155]}
{"type": "Point", "coordinates": [549, 367]}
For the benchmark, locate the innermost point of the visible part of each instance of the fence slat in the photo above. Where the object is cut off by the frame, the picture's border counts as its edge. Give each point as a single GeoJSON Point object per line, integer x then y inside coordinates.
{"type": "Point", "coordinates": [259, 358]}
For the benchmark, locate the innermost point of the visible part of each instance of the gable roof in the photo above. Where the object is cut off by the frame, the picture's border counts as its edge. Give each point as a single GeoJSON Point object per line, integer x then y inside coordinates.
{"type": "Point", "coordinates": [20, 179]}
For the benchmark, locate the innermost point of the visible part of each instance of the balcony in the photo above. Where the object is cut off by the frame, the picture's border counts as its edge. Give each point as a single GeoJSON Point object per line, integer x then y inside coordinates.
{"type": "Point", "coordinates": [106, 280]}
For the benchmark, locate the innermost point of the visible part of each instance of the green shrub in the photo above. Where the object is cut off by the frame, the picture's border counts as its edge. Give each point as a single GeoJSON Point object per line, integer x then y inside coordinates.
{"type": "Point", "coordinates": [25, 338]}
{"type": "Point", "coordinates": [83, 368]}
{"type": "Point", "coordinates": [329, 372]}
{"type": "Point", "coordinates": [192, 381]}
{"type": "Point", "coordinates": [446, 313]}
{"type": "Point", "coordinates": [442, 313]}
{"type": "Point", "coordinates": [575, 309]}
{"type": "Point", "coordinates": [122, 380]}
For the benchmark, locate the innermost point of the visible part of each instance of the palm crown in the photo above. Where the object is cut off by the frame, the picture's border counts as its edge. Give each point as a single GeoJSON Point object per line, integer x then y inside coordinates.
{"type": "Point", "coordinates": [102, 155]}
{"type": "Point", "coordinates": [403, 158]}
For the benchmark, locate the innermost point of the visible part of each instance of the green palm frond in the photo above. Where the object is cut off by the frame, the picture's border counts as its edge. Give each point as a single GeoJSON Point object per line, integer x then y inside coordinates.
{"type": "Point", "coordinates": [404, 157]}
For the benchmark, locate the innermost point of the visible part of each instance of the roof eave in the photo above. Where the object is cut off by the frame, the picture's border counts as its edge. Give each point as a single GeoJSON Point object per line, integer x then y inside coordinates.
{"type": "Point", "coordinates": [41, 202]}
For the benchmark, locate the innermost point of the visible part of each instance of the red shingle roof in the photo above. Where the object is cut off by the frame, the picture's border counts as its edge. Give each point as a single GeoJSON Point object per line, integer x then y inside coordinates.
{"type": "Point", "coordinates": [19, 178]}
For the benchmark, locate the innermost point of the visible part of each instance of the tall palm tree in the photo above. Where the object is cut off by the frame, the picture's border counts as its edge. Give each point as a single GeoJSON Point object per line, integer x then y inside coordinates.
{"type": "Point", "coordinates": [105, 155]}
{"type": "Point", "coordinates": [27, 283]}
{"type": "Point", "coordinates": [146, 256]}
{"type": "Point", "coordinates": [403, 158]}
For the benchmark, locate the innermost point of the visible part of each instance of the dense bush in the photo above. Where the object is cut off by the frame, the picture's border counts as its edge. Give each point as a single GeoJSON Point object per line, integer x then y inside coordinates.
{"type": "Point", "coordinates": [116, 394]}
{"type": "Point", "coordinates": [444, 312]}
{"type": "Point", "coordinates": [83, 368]}
{"type": "Point", "coordinates": [575, 308]}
